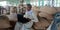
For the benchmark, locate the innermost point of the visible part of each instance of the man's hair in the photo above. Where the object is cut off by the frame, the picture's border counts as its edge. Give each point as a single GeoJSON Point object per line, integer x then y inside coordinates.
{"type": "Point", "coordinates": [29, 5]}
{"type": "Point", "coordinates": [13, 7]}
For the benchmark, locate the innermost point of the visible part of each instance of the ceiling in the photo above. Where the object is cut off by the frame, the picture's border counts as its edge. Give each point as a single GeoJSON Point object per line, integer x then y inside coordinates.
{"type": "Point", "coordinates": [18, 1]}
{"type": "Point", "coordinates": [2, 0]}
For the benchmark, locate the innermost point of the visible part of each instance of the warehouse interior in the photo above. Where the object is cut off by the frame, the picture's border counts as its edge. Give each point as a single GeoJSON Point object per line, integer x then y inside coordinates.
{"type": "Point", "coordinates": [46, 15]}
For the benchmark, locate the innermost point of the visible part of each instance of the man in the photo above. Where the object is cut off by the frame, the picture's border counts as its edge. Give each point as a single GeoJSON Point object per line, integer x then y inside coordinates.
{"type": "Point", "coordinates": [31, 15]}
{"type": "Point", "coordinates": [13, 14]}
{"type": "Point", "coordinates": [24, 23]}
{"type": "Point", "coordinates": [13, 17]}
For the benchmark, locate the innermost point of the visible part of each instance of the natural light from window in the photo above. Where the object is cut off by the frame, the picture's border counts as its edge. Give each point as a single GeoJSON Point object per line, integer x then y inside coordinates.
{"type": "Point", "coordinates": [3, 3]}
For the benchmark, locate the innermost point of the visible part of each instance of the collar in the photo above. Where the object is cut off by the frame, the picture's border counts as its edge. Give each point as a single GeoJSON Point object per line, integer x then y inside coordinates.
{"type": "Point", "coordinates": [12, 13]}
{"type": "Point", "coordinates": [29, 11]}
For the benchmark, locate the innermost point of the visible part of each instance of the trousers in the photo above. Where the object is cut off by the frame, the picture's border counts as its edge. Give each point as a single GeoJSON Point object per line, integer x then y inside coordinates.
{"type": "Point", "coordinates": [26, 26]}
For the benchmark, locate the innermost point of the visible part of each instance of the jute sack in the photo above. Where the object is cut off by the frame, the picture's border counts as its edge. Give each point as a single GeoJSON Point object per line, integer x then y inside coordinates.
{"type": "Point", "coordinates": [42, 24]}
{"type": "Point", "coordinates": [35, 8]}
{"type": "Point", "coordinates": [49, 10]}
{"type": "Point", "coordinates": [46, 15]}
{"type": "Point", "coordinates": [4, 22]}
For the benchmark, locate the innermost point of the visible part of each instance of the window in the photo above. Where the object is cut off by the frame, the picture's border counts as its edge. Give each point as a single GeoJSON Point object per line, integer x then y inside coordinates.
{"type": "Point", "coordinates": [56, 3]}
{"type": "Point", "coordinates": [1, 3]}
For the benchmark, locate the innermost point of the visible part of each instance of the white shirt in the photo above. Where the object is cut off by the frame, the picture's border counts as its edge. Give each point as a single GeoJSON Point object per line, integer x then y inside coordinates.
{"type": "Point", "coordinates": [12, 17]}
{"type": "Point", "coordinates": [30, 14]}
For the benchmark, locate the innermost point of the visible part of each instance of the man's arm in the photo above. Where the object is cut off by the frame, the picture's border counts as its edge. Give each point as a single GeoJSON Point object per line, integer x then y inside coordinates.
{"type": "Point", "coordinates": [35, 19]}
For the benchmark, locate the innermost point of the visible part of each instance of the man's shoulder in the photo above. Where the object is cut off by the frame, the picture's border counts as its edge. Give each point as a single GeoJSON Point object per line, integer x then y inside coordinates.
{"type": "Point", "coordinates": [19, 15]}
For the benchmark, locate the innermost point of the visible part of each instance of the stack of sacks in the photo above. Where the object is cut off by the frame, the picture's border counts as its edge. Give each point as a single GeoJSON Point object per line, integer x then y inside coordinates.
{"type": "Point", "coordinates": [4, 22]}
{"type": "Point", "coordinates": [42, 24]}
{"type": "Point", "coordinates": [45, 12]}
{"type": "Point", "coordinates": [46, 15]}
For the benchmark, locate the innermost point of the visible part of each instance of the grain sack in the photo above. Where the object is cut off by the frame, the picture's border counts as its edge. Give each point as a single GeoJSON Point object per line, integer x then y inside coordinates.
{"type": "Point", "coordinates": [48, 16]}
{"type": "Point", "coordinates": [4, 22]}
{"type": "Point", "coordinates": [35, 8]}
{"type": "Point", "coordinates": [49, 10]}
{"type": "Point", "coordinates": [42, 24]}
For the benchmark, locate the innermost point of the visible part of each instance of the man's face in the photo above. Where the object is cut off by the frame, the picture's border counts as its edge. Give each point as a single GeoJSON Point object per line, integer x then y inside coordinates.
{"type": "Point", "coordinates": [28, 8]}
{"type": "Point", "coordinates": [13, 10]}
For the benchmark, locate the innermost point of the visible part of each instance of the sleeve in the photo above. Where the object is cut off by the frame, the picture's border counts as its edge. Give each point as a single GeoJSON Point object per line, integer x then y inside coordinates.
{"type": "Point", "coordinates": [25, 15]}
{"type": "Point", "coordinates": [35, 19]}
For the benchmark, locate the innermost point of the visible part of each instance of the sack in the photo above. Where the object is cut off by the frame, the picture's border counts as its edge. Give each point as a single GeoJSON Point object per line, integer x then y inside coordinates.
{"type": "Point", "coordinates": [22, 19]}
{"type": "Point", "coordinates": [46, 15]}
{"type": "Point", "coordinates": [49, 10]}
{"type": "Point", "coordinates": [42, 24]}
{"type": "Point", "coordinates": [4, 22]}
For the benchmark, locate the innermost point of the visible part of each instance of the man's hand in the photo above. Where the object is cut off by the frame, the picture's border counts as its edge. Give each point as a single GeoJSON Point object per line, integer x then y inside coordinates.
{"type": "Point", "coordinates": [29, 19]}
